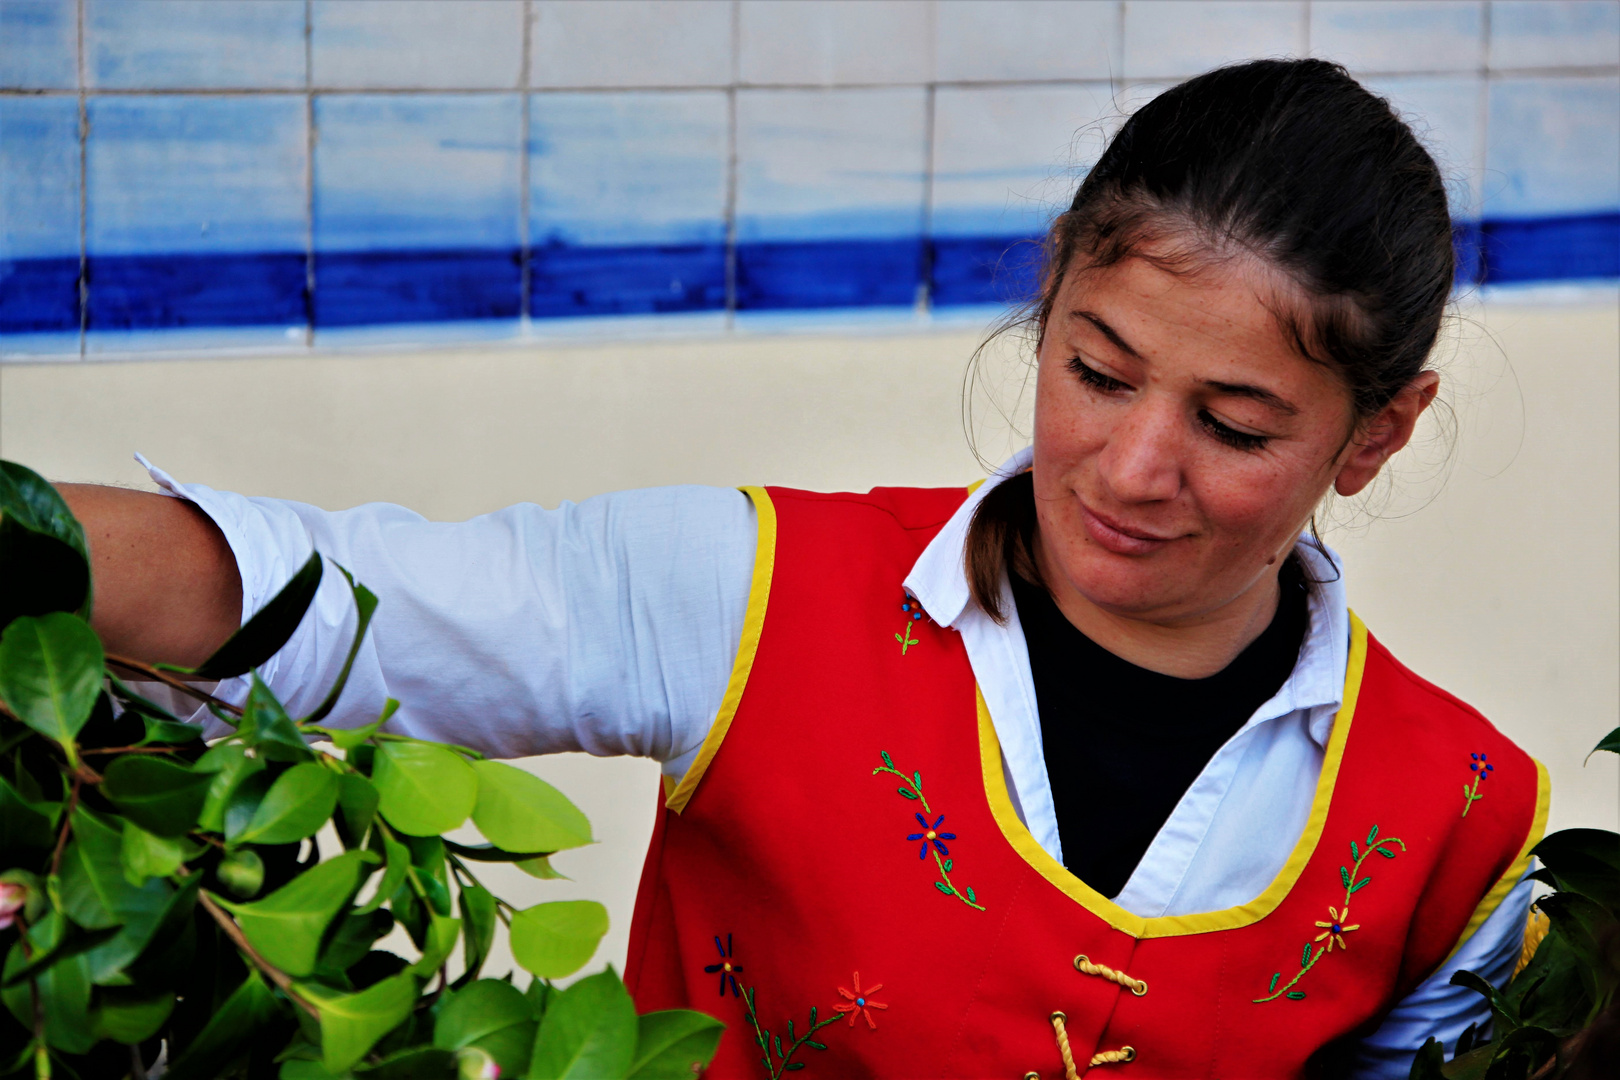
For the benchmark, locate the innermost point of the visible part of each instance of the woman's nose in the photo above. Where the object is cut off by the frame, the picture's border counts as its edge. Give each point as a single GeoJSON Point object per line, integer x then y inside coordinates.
{"type": "Point", "coordinates": [1142, 461]}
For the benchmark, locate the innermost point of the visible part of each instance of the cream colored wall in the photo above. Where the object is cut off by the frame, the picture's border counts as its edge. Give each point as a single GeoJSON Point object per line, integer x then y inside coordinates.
{"type": "Point", "coordinates": [1504, 589]}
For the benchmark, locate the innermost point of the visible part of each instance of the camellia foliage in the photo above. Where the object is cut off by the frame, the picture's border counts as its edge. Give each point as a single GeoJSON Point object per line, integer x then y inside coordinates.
{"type": "Point", "coordinates": [163, 896]}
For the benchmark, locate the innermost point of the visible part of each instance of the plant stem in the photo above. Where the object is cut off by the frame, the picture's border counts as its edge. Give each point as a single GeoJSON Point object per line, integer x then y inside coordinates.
{"type": "Point", "coordinates": [915, 788]}
{"type": "Point", "coordinates": [42, 1055]}
{"type": "Point", "coordinates": [763, 1037]}
{"type": "Point", "coordinates": [1275, 994]}
{"type": "Point", "coordinates": [152, 673]}
{"type": "Point", "coordinates": [239, 939]}
{"type": "Point", "coordinates": [951, 884]}
{"type": "Point", "coordinates": [67, 826]}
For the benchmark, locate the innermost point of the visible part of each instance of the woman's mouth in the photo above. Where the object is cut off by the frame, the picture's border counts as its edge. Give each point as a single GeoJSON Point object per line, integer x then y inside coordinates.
{"type": "Point", "coordinates": [1118, 537]}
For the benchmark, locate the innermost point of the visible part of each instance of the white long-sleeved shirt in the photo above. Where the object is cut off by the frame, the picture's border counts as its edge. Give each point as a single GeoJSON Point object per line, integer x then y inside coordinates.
{"type": "Point", "coordinates": [611, 627]}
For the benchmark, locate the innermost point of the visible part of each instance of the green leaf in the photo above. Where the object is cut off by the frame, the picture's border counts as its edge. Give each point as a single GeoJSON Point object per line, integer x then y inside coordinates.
{"type": "Point", "coordinates": [588, 1032]}
{"type": "Point", "coordinates": [365, 605]}
{"type": "Point", "coordinates": [168, 732]}
{"type": "Point", "coordinates": [948, 864]}
{"type": "Point", "coordinates": [887, 760]}
{"type": "Point", "coordinates": [21, 824]}
{"type": "Point", "coordinates": [351, 1024]}
{"type": "Point", "coordinates": [556, 939]}
{"type": "Point", "coordinates": [1609, 742]}
{"type": "Point", "coordinates": [349, 738]}
{"type": "Point", "coordinates": [262, 636]}
{"type": "Point", "coordinates": [50, 673]}
{"type": "Point", "coordinates": [147, 855]}
{"type": "Point", "coordinates": [442, 934]}
{"type": "Point", "coordinates": [1362, 884]}
{"type": "Point", "coordinates": [96, 894]}
{"type": "Point", "coordinates": [1385, 852]}
{"type": "Point", "coordinates": [907, 792]}
{"type": "Point", "coordinates": [242, 872]}
{"type": "Point", "coordinates": [423, 789]}
{"type": "Point", "coordinates": [1344, 876]}
{"type": "Point", "coordinates": [267, 727]}
{"type": "Point", "coordinates": [519, 811]}
{"type": "Point", "coordinates": [75, 943]}
{"type": "Point", "coordinates": [478, 917]}
{"type": "Point", "coordinates": [1355, 852]}
{"type": "Point", "coordinates": [1372, 834]}
{"type": "Point", "coordinates": [297, 805]}
{"type": "Point", "coordinates": [230, 765]}
{"type": "Point", "coordinates": [942, 887]}
{"type": "Point", "coordinates": [129, 1015]}
{"type": "Point", "coordinates": [286, 927]}
{"type": "Point", "coordinates": [541, 868]}
{"type": "Point", "coordinates": [397, 863]}
{"type": "Point", "coordinates": [44, 558]}
{"type": "Point", "coordinates": [490, 853]}
{"type": "Point", "coordinates": [244, 801]}
{"type": "Point", "coordinates": [1305, 957]}
{"type": "Point", "coordinates": [676, 1044]}
{"type": "Point", "coordinates": [1296, 995]}
{"type": "Point", "coordinates": [1584, 861]}
{"type": "Point", "coordinates": [357, 801]}
{"type": "Point", "coordinates": [356, 933]}
{"type": "Point", "coordinates": [64, 989]}
{"type": "Point", "coordinates": [162, 797]}
{"type": "Point", "coordinates": [916, 780]}
{"type": "Point", "coordinates": [492, 1015]}
{"type": "Point", "coordinates": [412, 1063]}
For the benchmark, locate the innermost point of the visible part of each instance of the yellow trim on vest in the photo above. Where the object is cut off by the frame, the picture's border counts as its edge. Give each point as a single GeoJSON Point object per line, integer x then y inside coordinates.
{"type": "Point", "coordinates": [759, 595]}
{"type": "Point", "coordinates": [1018, 835]}
{"type": "Point", "coordinates": [975, 486]}
{"type": "Point", "coordinates": [1521, 865]}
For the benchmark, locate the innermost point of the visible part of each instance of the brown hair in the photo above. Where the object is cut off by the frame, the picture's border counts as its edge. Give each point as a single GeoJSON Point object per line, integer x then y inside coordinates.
{"type": "Point", "coordinates": [1292, 161]}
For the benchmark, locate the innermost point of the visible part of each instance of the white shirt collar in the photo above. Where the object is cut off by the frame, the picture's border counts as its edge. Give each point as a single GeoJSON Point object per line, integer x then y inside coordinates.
{"type": "Point", "coordinates": [938, 579]}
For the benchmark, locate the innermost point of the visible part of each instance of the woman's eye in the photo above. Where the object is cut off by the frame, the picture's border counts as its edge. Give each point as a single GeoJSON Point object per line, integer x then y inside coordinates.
{"type": "Point", "coordinates": [1231, 436]}
{"type": "Point", "coordinates": [1094, 378]}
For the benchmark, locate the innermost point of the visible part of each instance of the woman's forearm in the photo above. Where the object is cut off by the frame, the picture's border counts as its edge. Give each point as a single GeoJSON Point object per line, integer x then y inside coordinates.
{"type": "Point", "coordinates": [166, 584]}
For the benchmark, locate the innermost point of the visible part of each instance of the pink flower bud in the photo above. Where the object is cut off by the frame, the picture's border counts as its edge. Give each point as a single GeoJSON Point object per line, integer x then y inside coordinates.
{"type": "Point", "coordinates": [12, 899]}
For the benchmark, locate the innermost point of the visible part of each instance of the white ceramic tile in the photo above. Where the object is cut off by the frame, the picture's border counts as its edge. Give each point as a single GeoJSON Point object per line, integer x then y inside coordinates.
{"type": "Point", "coordinates": [183, 44]}
{"type": "Point", "coordinates": [1006, 159]}
{"type": "Point", "coordinates": [825, 164]}
{"type": "Point", "coordinates": [1012, 40]}
{"type": "Point", "coordinates": [1553, 146]}
{"type": "Point", "coordinates": [1167, 39]}
{"type": "Point", "coordinates": [1446, 114]}
{"type": "Point", "coordinates": [631, 43]}
{"type": "Point", "coordinates": [423, 44]}
{"type": "Point", "coordinates": [1400, 35]}
{"type": "Point", "coordinates": [834, 42]}
{"type": "Point", "coordinates": [39, 177]}
{"type": "Point", "coordinates": [1555, 33]}
{"type": "Point", "coordinates": [411, 171]}
{"type": "Point", "coordinates": [39, 44]}
{"type": "Point", "coordinates": [195, 174]}
{"type": "Point", "coordinates": [636, 168]}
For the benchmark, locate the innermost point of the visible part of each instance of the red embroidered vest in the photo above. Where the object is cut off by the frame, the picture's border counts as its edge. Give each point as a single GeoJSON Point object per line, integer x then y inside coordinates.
{"type": "Point", "coordinates": [844, 849]}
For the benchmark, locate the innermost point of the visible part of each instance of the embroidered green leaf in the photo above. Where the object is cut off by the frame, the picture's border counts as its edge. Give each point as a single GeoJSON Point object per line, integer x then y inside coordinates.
{"type": "Point", "coordinates": [1385, 852]}
{"type": "Point", "coordinates": [1372, 834]}
{"type": "Point", "coordinates": [1362, 884]}
{"type": "Point", "coordinates": [916, 778]}
{"type": "Point", "coordinates": [818, 1046]}
{"type": "Point", "coordinates": [907, 792]}
{"type": "Point", "coordinates": [1305, 959]}
{"type": "Point", "coordinates": [1273, 985]}
{"type": "Point", "coordinates": [942, 887]}
{"type": "Point", "coordinates": [947, 865]}
{"type": "Point", "coordinates": [793, 1066]}
{"type": "Point", "coordinates": [1344, 876]}
{"type": "Point", "coordinates": [1296, 995]}
{"type": "Point", "coordinates": [777, 1039]}
{"type": "Point", "coordinates": [1466, 792]}
{"type": "Point", "coordinates": [887, 760]}
{"type": "Point", "coordinates": [971, 898]}
{"type": "Point", "coordinates": [790, 1029]}
{"type": "Point", "coordinates": [1355, 852]}
{"type": "Point", "coordinates": [812, 1016]}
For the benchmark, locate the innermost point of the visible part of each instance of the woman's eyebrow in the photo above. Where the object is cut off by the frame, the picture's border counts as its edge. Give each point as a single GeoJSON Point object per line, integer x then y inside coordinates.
{"type": "Point", "coordinates": [1107, 331]}
{"type": "Point", "coordinates": [1254, 393]}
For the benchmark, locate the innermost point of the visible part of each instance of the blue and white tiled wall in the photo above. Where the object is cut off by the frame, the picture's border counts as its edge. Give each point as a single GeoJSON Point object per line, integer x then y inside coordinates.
{"type": "Point", "coordinates": [230, 173]}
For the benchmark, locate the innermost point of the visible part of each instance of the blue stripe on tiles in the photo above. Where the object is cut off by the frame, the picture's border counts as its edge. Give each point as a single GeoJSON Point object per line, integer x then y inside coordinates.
{"type": "Point", "coordinates": [39, 295]}
{"type": "Point", "coordinates": [569, 281]}
{"type": "Point", "coordinates": [1468, 241]}
{"type": "Point", "coordinates": [983, 270]}
{"type": "Point", "coordinates": [1552, 249]}
{"type": "Point", "coordinates": [145, 292]}
{"type": "Point", "coordinates": [368, 288]}
{"type": "Point", "coordinates": [828, 273]}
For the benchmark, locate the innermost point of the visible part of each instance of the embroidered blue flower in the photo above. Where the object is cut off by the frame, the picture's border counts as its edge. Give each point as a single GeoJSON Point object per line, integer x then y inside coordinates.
{"type": "Point", "coordinates": [1480, 765]}
{"type": "Point", "coordinates": [726, 967]}
{"type": "Point", "coordinates": [931, 835]}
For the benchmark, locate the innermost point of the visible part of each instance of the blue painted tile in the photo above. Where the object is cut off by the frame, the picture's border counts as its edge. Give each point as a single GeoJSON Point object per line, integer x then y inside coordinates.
{"type": "Point", "coordinates": [1553, 147]}
{"type": "Point", "coordinates": [39, 215]}
{"type": "Point", "coordinates": [417, 204]}
{"type": "Point", "coordinates": [1021, 40]}
{"type": "Point", "coordinates": [833, 42]}
{"type": "Point", "coordinates": [627, 203]}
{"type": "Point", "coordinates": [829, 197]}
{"type": "Point", "coordinates": [631, 43]}
{"type": "Point", "coordinates": [196, 211]}
{"type": "Point", "coordinates": [425, 44]}
{"type": "Point", "coordinates": [1167, 39]}
{"type": "Point", "coordinates": [1554, 33]}
{"type": "Point", "coordinates": [39, 44]}
{"type": "Point", "coordinates": [181, 44]}
{"type": "Point", "coordinates": [1400, 35]}
{"type": "Point", "coordinates": [1563, 248]}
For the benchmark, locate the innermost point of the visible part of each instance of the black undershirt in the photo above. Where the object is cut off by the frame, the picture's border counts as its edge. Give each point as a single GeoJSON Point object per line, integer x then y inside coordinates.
{"type": "Point", "coordinates": [1123, 743]}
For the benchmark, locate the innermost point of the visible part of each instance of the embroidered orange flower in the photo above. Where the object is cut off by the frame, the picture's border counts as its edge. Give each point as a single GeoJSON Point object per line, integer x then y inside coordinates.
{"type": "Point", "coordinates": [859, 1002]}
{"type": "Point", "coordinates": [1333, 932]}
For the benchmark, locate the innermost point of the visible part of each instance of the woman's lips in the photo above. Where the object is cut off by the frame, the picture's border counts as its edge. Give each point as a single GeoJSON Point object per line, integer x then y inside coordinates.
{"type": "Point", "coordinates": [1119, 538]}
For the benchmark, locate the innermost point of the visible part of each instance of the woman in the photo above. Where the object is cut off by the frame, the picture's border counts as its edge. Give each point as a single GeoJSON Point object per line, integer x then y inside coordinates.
{"type": "Point", "coordinates": [1088, 768]}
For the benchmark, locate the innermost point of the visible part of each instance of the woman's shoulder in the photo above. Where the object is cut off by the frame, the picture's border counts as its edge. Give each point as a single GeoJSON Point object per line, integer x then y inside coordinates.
{"type": "Point", "coordinates": [907, 507]}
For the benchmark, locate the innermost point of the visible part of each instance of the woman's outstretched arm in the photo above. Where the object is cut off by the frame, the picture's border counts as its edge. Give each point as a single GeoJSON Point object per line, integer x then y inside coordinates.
{"type": "Point", "coordinates": [167, 587]}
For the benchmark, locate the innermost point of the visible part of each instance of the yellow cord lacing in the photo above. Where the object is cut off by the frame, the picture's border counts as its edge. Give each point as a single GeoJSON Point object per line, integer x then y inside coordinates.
{"type": "Point", "coordinates": [1102, 1057]}
{"type": "Point", "coordinates": [1084, 965]}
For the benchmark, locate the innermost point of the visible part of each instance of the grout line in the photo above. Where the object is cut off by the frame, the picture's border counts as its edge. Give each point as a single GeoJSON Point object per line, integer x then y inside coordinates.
{"type": "Point", "coordinates": [525, 151]}
{"type": "Point", "coordinates": [731, 167]}
{"type": "Point", "coordinates": [925, 268]}
{"type": "Point", "coordinates": [309, 174]}
{"type": "Point", "coordinates": [84, 191]}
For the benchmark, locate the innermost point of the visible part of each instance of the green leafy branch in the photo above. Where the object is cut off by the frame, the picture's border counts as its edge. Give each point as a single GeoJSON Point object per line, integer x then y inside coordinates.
{"type": "Point", "coordinates": [767, 1042]}
{"type": "Point", "coordinates": [911, 788]}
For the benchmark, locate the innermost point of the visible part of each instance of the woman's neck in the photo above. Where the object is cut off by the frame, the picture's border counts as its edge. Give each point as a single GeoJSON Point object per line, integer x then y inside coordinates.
{"type": "Point", "coordinates": [1185, 649]}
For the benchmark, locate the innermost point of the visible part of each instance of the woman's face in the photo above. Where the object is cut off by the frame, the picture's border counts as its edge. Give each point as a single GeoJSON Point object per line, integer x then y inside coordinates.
{"type": "Point", "coordinates": [1180, 441]}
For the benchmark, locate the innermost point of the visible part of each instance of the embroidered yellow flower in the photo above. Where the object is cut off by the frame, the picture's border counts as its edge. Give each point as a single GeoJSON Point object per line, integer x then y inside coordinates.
{"type": "Point", "coordinates": [1333, 932]}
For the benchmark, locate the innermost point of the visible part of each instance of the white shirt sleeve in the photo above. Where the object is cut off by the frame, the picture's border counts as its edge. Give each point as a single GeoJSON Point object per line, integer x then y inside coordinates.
{"type": "Point", "coordinates": [609, 626]}
{"type": "Point", "coordinates": [1439, 1010]}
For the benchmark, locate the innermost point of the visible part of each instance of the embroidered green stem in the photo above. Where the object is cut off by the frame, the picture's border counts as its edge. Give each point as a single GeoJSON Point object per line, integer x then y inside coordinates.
{"type": "Point", "coordinates": [768, 1042]}
{"type": "Point", "coordinates": [1333, 932]}
{"type": "Point", "coordinates": [905, 639]}
{"type": "Point", "coordinates": [1470, 795]}
{"type": "Point", "coordinates": [913, 791]}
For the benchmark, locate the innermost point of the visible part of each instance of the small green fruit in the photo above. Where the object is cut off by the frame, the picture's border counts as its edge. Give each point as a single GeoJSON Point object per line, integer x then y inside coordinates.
{"type": "Point", "coordinates": [242, 872]}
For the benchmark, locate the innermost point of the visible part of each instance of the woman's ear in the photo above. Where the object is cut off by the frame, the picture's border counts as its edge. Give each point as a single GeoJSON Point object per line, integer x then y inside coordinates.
{"type": "Point", "coordinates": [1383, 436]}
